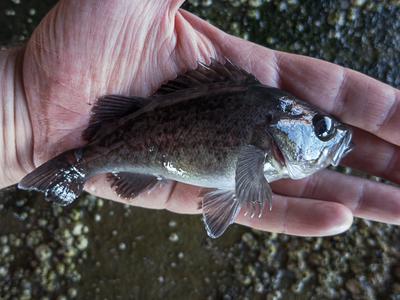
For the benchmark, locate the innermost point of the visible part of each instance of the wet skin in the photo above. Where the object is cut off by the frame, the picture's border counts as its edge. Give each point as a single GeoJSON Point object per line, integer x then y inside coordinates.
{"type": "Point", "coordinates": [57, 93]}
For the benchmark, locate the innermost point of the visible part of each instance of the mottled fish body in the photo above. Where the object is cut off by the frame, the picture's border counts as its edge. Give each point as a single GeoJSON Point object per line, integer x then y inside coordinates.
{"type": "Point", "coordinates": [216, 127]}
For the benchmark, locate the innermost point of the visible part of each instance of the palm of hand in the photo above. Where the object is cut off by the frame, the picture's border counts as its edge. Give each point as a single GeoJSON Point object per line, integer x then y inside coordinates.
{"type": "Point", "coordinates": [81, 52]}
{"type": "Point", "coordinates": [84, 50]}
{"type": "Point", "coordinates": [75, 56]}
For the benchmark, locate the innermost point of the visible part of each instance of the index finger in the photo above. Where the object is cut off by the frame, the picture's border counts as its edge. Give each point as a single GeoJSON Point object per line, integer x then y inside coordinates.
{"type": "Point", "coordinates": [353, 97]}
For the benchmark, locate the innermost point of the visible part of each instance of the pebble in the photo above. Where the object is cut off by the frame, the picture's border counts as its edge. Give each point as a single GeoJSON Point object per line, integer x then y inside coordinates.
{"type": "Point", "coordinates": [122, 246]}
{"type": "Point", "coordinates": [72, 292]}
{"type": "Point", "coordinates": [172, 224]}
{"type": "Point", "coordinates": [77, 230]}
{"type": "Point", "coordinates": [43, 252]}
{"type": "Point", "coordinates": [82, 243]}
{"type": "Point", "coordinates": [174, 237]}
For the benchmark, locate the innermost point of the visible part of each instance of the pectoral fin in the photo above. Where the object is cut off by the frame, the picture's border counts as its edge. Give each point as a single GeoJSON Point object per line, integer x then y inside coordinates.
{"type": "Point", "coordinates": [252, 189]}
{"type": "Point", "coordinates": [220, 209]}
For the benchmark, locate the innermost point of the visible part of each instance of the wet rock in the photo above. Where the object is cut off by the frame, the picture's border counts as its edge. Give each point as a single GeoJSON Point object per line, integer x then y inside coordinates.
{"type": "Point", "coordinates": [174, 237]}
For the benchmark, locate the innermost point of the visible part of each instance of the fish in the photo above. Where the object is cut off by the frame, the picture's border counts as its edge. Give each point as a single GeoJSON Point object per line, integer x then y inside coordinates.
{"type": "Point", "coordinates": [215, 126]}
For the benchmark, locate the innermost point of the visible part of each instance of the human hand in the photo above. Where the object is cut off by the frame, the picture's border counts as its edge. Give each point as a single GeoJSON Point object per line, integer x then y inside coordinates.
{"type": "Point", "coordinates": [85, 49]}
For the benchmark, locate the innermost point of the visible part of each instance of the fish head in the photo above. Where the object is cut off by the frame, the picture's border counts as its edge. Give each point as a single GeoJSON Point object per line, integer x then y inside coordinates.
{"type": "Point", "coordinates": [308, 140]}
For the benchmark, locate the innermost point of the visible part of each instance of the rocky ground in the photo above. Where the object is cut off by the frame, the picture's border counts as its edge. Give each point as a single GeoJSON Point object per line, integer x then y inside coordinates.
{"type": "Point", "coordinates": [103, 250]}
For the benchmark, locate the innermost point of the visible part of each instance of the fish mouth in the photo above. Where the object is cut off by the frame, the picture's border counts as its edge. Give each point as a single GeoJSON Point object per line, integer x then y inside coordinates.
{"type": "Point", "coordinates": [345, 148]}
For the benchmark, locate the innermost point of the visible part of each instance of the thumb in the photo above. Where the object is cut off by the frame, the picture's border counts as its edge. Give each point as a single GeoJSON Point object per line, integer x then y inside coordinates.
{"type": "Point", "coordinates": [85, 49]}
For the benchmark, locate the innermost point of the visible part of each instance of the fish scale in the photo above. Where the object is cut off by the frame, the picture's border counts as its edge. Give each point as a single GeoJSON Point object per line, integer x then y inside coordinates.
{"type": "Point", "coordinates": [216, 127]}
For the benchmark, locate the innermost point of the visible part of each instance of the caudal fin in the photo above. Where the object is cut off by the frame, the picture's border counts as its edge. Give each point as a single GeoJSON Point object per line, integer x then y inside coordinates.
{"type": "Point", "coordinates": [61, 179]}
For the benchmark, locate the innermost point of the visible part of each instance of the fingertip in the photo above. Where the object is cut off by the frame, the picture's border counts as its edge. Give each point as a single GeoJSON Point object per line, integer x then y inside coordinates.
{"type": "Point", "coordinates": [321, 219]}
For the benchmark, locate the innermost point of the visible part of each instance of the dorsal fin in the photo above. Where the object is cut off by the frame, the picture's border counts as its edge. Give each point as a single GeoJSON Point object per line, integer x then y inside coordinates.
{"type": "Point", "coordinates": [206, 74]}
{"type": "Point", "coordinates": [110, 108]}
{"type": "Point", "coordinates": [204, 80]}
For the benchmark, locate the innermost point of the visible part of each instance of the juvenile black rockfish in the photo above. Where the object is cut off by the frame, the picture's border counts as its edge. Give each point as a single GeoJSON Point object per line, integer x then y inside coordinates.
{"type": "Point", "coordinates": [216, 127]}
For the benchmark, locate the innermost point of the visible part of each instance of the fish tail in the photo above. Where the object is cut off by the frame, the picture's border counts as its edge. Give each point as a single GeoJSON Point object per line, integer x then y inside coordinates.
{"type": "Point", "coordinates": [61, 179]}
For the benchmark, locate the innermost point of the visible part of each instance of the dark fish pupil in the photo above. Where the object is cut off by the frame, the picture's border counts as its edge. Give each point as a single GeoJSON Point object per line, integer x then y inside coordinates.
{"type": "Point", "coordinates": [324, 127]}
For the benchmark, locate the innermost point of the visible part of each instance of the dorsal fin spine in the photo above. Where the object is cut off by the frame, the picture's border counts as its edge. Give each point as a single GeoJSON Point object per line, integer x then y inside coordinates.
{"type": "Point", "coordinates": [115, 107]}
{"type": "Point", "coordinates": [206, 74]}
{"type": "Point", "coordinates": [108, 109]}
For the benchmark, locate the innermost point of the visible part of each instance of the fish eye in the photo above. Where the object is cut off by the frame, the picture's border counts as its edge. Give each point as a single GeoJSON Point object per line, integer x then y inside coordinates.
{"type": "Point", "coordinates": [324, 127]}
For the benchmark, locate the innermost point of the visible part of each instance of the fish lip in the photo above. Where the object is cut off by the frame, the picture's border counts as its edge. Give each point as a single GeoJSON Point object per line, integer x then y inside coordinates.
{"type": "Point", "coordinates": [345, 148]}
{"type": "Point", "coordinates": [349, 148]}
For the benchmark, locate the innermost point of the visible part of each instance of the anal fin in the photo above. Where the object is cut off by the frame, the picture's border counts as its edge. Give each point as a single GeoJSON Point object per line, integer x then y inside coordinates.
{"type": "Point", "coordinates": [130, 185]}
